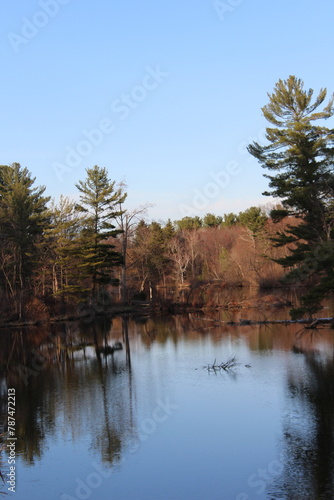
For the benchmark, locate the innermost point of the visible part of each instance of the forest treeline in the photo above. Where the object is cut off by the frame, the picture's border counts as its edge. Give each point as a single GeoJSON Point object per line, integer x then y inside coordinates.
{"type": "Point", "coordinates": [57, 255]}
{"type": "Point", "coordinates": [64, 253]}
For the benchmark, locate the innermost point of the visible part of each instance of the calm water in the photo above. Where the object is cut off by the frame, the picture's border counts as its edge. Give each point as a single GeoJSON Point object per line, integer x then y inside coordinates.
{"type": "Point", "coordinates": [158, 425]}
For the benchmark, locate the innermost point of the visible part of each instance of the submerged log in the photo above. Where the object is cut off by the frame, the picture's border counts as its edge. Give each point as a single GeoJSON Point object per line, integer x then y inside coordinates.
{"type": "Point", "coordinates": [313, 323]}
{"type": "Point", "coordinates": [110, 349]}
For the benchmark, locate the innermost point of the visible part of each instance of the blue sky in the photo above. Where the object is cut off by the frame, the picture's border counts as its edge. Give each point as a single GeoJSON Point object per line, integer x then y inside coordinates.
{"type": "Point", "coordinates": [164, 94]}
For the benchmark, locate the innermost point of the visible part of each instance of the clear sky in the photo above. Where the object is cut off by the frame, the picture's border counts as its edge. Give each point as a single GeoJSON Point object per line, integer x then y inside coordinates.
{"type": "Point", "coordinates": [164, 94]}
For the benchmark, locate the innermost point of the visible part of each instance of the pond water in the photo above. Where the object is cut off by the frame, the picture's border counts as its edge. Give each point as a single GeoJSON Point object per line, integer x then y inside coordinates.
{"type": "Point", "coordinates": [153, 423]}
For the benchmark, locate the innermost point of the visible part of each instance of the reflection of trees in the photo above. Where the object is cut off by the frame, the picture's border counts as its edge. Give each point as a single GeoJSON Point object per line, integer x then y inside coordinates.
{"type": "Point", "coordinates": [309, 432]}
{"type": "Point", "coordinates": [117, 405]}
{"type": "Point", "coordinates": [77, 391]}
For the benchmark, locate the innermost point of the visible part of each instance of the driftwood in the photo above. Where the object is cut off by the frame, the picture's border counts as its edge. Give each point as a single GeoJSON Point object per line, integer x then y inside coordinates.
{"type": "Point", "coordinates": [230, 363]}
{"type": "Point", "coordinates": [311, 323]}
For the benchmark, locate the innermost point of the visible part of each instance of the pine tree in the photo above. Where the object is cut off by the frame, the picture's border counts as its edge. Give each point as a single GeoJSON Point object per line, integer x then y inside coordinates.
{"type": "Point", "coordinates": [150, 253]}
{"type": "Point", "coordinates": [99, 200]}
{"type": "Point", "coordinates": [168, 230]}
{"type": "Point", "coordinates": [23, 220]}
{"type": "Point", "coordinates": [254, 218]}
{"type": "Point", "coordinates": [211, 220]}
{"type": "Point", "coordinates": [64, 247]}
{"type": "Point", "coordinates": [300, 153]}
{"type": "Point", "coordinates": [156, 253]}
{"type": "Point", "coordinates": [189, 223]}
{"type": "Point", "coordinates": [230, 219]}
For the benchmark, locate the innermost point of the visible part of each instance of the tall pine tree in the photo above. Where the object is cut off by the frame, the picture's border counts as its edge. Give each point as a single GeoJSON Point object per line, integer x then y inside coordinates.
{"type": "Point", "coordinates": [23, 221]}
{"type": "Point", "coordinates": [300, 154]}
{"type": "Point", "coordinates": [99, 202]}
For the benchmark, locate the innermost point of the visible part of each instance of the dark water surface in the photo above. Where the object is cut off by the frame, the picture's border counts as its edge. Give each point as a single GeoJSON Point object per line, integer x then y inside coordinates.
{"type": "Point", "coordinates": [163, 426]}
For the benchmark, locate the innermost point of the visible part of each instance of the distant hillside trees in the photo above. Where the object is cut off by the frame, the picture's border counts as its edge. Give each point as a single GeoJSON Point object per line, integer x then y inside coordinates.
{"type": "Point", "coordinates": [188, 251]}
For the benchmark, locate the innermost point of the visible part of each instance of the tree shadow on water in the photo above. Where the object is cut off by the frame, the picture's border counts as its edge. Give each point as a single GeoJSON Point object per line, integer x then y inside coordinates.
{"type": "Point", "coordinates": [308, 431]}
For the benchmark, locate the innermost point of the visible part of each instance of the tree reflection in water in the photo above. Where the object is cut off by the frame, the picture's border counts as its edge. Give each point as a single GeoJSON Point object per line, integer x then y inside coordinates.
{"type": "Point", "coordinates": [83, 398]}
{"type": "Point", "coordinates": [308, 446]}
{"type": "Point", "coordinates": [88, 394]}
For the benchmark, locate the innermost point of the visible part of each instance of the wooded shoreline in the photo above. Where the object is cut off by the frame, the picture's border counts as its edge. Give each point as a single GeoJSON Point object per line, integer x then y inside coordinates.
{"type": "Point", "coordinates": [145, 309]}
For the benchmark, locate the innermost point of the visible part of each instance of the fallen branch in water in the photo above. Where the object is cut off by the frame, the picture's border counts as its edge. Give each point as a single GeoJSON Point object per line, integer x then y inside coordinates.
{"type": "Point", "coordinates": [311, 322]}
{"type": "Point", "coordinates": [230, 363]}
